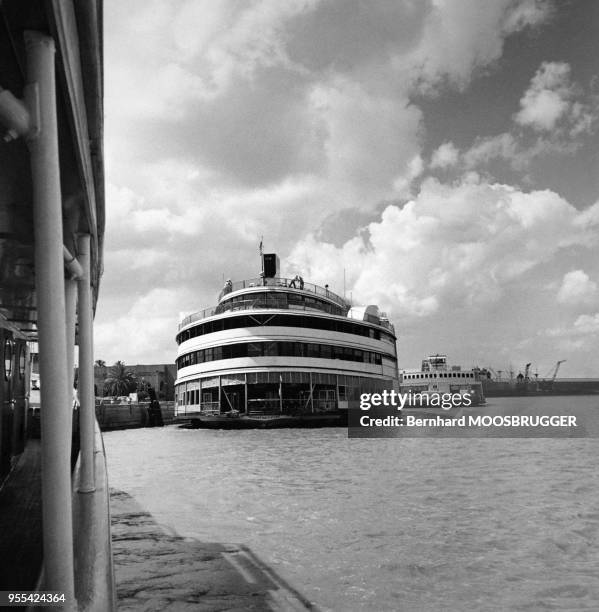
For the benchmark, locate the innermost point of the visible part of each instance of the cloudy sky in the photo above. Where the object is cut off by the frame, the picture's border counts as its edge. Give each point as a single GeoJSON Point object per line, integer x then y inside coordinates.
{"type": "Point", "coordinates": [443, 153]}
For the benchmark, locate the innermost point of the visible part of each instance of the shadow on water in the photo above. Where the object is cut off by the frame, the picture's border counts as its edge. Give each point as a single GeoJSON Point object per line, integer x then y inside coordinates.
{"type": "Point", "coordinates": [156, 569]}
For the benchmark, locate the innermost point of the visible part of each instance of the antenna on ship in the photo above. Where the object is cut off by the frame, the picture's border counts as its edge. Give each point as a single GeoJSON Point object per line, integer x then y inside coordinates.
{"type": "Point", "coordinates": [261, 252]}
{"type": "Point", "coordinates": [343, 283]}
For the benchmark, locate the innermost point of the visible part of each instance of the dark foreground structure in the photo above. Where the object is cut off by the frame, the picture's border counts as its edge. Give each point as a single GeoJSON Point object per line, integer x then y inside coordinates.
{"type": "Point", "coordinates": [51, 242]}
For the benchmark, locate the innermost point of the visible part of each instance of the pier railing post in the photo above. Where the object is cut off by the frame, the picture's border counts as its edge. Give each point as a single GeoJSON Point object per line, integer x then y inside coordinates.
{"type": "Point", "coordinates": [87, 397]}
{"type": "Point", "coordinates": [51, 322]}
{"type": "Point", "coordinates": [70, 296]}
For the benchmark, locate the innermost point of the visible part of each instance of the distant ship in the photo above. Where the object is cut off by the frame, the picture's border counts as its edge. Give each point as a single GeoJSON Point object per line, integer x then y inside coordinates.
{"type": "Point", "coordinates": [280, 352]}
{"type": "Point", "coordinates": [439, 385]}
{"type": "Point", "coordinates": [499, 384]}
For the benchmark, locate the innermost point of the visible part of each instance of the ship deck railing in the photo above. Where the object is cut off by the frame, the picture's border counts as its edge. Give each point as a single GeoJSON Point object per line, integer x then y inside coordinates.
{"type": "Point", "coordinates": [261, 304]}
{"type": "Point", "coordinates": [248, 304]}
{"type": "Point", "coordinates": [282, 282]}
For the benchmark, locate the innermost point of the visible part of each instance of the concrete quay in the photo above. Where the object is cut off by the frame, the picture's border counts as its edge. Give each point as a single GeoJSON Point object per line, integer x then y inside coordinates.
{"type": "Point", "coordinates": [158, 570]}
{"type": "Point", "coordinates": [112, 416]}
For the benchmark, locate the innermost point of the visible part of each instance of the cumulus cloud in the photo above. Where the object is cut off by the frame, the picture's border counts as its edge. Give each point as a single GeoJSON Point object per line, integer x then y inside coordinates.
{"type": "Point", "coordinates": [268, 90]}
{"type": "Point", "coordinates": [464, 36]}
{"type": "Point", "coordinates": [547, 99]}
{"type": "Point", "coordinates": [445, 156]}
{"type": "Point", "coordinates": [577, 288]}
{"type": "Point", "coordinates": [558, 113]}
{"type": "Point", "coordinates": [453, 245]}
{"type": "Point", "coordinates": [226, 121]}
{"type": "Point", "coordinates": [551, 100]}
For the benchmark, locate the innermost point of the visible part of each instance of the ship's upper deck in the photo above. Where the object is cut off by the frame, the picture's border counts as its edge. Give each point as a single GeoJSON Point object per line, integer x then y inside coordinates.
{"type": "Point", "coordinates": [279, 293]}
{"type": "Point", "coordinates": [279, 283]}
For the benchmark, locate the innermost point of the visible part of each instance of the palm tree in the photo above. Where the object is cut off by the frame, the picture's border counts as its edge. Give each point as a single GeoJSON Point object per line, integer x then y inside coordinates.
{"type": "Point", "coordinates": [120, 380]}
{"type": "Point", "coordinates": [99, 375]}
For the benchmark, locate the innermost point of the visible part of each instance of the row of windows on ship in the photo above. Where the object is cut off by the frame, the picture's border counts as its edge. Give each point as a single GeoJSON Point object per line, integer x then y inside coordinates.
{"type": "Point", "coordinates": [276, 389]}
{"type": "Point", "coordinates": [279, 299]}
{"type": "Point", "coordinates": [284, 320]}
{"type": "Point", "coordinates": [439, 375]}
{"type": "Point", "coordinates": [281, 349]}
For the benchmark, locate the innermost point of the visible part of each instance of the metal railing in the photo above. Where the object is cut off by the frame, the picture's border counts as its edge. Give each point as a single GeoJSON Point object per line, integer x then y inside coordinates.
{"type": "Point", "coordinates": [261, 304]}
{"type": "Point", "coordinates": [280, 281]}
{"type": "Point", "coordinates": [250, 304]}
{"type": "Point", "coordinates": [255, 303]}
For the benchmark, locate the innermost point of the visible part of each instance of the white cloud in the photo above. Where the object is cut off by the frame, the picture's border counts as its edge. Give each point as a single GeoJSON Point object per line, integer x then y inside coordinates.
{"type": "Point", "coordinates": [548, 98]}
{"type": "Point", "coordinates": [587, 324]}
{"type": "Point", "coordinates": [453, 245]}
{"type": "Point", "coordinates": [577, 288]}
{"type": "Point", "coordinates": [582, 332]}
{"type": "Point", "coordinates": [462, 36]}
{"type": "Point", "coordinates": [445, 156]}
{"type": "Point", "coordinates": [362, 139]}
{"type": "Point", "coordinates": [550, 102]}
{"type": "Point", "coordinates": [552, 106]}
{"type": "Point", "coordinates": [485, 149]}
{"type": "Point", "coordinates": [226, 121]}
{"type": "Point", "coordinates": [143, 333]}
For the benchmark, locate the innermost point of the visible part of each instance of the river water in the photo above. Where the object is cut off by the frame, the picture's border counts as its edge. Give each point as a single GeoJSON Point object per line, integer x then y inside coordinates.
{"type": "Point", "coordinates": [384, 524]}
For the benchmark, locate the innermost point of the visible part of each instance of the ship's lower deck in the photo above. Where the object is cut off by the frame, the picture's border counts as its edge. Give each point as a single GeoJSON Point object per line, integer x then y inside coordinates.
{"type": "Point", "coordinates": [298, 395]}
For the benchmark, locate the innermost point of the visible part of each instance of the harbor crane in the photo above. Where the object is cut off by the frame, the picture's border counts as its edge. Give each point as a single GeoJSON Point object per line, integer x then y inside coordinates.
{"type": "Point", "coordinates": [550, 377]}
{"type": "Point", "coordinates": [557, 365]}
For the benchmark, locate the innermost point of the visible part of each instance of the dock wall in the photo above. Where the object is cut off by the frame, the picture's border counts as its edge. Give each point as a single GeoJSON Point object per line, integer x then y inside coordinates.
{"type": "Point", "coordinates": [130, 416]}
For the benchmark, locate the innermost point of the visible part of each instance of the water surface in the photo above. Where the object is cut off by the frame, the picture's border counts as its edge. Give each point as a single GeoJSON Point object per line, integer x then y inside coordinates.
{"type": "Point", "coordinates": [410, 524]}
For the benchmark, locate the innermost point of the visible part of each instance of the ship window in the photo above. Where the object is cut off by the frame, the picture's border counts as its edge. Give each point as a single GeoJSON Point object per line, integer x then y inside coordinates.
{"type": "Point", "coordinates": [259, 300]}
{"type": "Point", "coordinates": [254, 350]}
{"type": "Point", "coordinates": [288, 349]}
{"type": "Point", "coordinates": [22, 361]}
{"type": "Point", "coordinates": [312, 350]}
{"type": "Point", "coordinates": [270, 349]}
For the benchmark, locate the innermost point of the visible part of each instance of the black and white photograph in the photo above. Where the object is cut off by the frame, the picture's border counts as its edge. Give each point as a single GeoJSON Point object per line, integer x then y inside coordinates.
{"type": "Point", "coordinates": [299, 305]}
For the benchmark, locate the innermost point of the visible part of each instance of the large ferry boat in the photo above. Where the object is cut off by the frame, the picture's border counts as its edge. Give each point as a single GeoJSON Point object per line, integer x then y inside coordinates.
{"type": "Point", "coordinates": [438, 385]}
{"type": "Point", "coordinates": [280, 352]}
